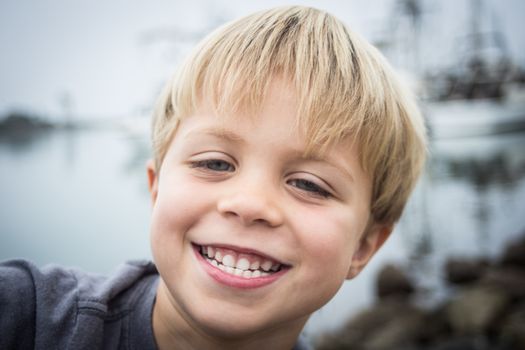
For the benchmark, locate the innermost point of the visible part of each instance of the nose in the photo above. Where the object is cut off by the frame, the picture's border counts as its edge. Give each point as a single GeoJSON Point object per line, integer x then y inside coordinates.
{"type": "Point", "coordinates": [251, 207]}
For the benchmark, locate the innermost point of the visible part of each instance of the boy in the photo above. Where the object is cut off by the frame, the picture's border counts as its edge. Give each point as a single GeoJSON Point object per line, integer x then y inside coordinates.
{"type": "Point", "coordinates": [284, 152]}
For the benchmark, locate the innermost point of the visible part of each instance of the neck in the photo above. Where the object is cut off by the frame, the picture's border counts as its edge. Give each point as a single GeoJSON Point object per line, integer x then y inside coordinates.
{"type": "Point", "coordinates": [174, 330]}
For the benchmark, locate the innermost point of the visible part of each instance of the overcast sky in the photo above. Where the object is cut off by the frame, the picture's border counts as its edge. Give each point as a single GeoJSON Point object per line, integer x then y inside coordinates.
{"type": "Point", "coordinates": [109, 58]}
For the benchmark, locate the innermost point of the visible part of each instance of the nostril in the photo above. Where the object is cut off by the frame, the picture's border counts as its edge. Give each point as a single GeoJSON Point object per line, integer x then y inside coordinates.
{"type": "Point", "coordinates": [250, 209]}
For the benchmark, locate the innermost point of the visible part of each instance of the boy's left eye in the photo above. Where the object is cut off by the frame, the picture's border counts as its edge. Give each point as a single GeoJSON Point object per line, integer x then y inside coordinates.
{"type": "Point", "coordinates": [310, 187]}
{"type": "Point", "coordinates": [213, 164]}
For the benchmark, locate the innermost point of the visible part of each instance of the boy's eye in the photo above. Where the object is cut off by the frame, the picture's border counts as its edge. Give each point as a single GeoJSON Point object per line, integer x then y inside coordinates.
{"type": "Point", "coordinates": [213, 164]}
{"type": "Point", "coordinates": [310, 187]}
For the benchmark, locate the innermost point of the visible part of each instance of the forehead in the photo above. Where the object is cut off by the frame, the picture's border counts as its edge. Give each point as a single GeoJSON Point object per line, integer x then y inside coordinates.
{"type": "Point", "coordinates": [274, 116]}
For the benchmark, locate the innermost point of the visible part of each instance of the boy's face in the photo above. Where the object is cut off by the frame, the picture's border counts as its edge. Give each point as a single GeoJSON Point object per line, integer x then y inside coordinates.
{"type": "Point", "coordinates": [241, 188]}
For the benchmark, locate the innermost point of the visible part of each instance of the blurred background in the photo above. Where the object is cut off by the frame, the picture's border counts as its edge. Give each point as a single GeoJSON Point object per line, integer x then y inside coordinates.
{"type": "Point", "coordinates": [78, 81]}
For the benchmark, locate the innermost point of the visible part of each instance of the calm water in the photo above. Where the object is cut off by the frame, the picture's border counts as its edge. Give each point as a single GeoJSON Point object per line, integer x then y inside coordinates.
{"type": "Point", "coordinates": [74, 198]}
{"type": "Point", "coordinates": [80, 198]}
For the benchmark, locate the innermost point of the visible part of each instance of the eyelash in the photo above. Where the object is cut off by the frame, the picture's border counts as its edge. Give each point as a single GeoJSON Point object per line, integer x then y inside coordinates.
{"type": "Point", "coordinates": [311, 187]}
{"type": "Point", "coordinates": [207, 164]}
{"type": "Point", "coordinates": [302, 184]}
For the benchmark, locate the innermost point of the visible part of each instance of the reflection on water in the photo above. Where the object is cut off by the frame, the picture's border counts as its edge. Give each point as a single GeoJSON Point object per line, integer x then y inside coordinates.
{"type": "Point", "coordinates": [470, 203]}
{"type": "Point", "coordinates": [79, 197]}
{"type": "Point", "coordinates": [488, 175]}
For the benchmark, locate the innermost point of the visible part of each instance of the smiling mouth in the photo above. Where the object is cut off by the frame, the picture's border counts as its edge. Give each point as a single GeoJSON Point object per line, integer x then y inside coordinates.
{"type": "Point", "coordinates": [244, 265]}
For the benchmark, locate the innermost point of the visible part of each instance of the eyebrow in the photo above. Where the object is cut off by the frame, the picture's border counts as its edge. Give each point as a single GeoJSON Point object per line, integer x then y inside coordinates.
{"type": "Point", "coordinates": [218, 132]}
{"type": "Point", "coordinates": [330, 161]}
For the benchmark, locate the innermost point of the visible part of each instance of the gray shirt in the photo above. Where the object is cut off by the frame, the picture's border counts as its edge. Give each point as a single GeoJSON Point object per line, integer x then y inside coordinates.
{"type": "Point", "coordinates": [57, 308]}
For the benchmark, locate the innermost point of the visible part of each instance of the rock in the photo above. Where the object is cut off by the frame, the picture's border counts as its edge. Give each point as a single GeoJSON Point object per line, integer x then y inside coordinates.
{"type": "Point", "coordinates": [392, 281]}
{"type": "Point", "coordinates": [514, 253]}
{"type": "Point", "coordinates": [512, 331]}
{"type": "Point", "coordinates": [509, 279]}
{"type": "Point", "coordinates": [476, 310]}
{"type": "Point", "coordinates": [400, 332]}
{"type": "Point", "coordinates": [436, 326]}
{"type": "Point", "coordinates": [463, 271]}
{"type": "Point", "coordinates": [462, 343]}
{"type": "Point", "coordinates": [389, 324]}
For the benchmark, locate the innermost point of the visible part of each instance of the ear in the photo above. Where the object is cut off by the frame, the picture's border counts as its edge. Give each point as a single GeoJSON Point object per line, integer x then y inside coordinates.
{"type": "Point", "coordinates": [372, 240]}
{"type": "Point", "coordinates": [152, 180]}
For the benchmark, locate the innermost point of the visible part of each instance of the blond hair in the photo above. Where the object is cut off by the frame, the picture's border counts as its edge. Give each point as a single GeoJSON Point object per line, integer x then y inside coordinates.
{"type": "Point", "coordinates": [343, 84]}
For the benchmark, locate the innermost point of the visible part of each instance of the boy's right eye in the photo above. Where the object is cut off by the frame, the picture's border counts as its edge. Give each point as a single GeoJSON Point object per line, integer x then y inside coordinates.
{"type": "Point", "coordinates": [213, 165]}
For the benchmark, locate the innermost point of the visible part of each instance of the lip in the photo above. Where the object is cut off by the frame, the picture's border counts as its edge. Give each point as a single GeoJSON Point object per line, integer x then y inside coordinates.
{"type": "Point", "coordinates": [237, 281]}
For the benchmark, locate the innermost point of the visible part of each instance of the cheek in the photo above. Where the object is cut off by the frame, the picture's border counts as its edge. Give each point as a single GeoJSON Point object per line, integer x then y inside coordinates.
{"type": "Point", "coordinates": [327, 241]}
{"type": "Point", "coordinates": [178, 207]}
{"type": "Point", "coordinates": [331, 239]}
{"type": "Point", "coordinates": [179, 199]}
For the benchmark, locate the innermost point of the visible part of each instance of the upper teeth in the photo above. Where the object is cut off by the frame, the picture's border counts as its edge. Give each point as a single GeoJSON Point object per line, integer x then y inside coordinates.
{"type": "Point", "coordinates": [239, 264]}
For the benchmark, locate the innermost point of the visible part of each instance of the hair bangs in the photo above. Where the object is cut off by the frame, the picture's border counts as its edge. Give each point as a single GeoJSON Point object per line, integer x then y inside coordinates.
{"type": "Point", "coordinates": [233, 68]}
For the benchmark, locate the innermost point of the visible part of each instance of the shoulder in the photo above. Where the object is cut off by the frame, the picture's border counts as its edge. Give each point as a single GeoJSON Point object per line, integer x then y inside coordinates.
{"type": "Point", "coordinates": [14, 273]}
{"type": "Point", "coordinates": [18, 299]}
{"type": "Point", "coordinates": [17, 289]}
{"type": "Point", "coordinates": [105, 288]}
{"type": "Point", "coordinates": [114, 296]}
{"type": "Point", "coordinates": [55, 288]}
{"type": "Point", "coordinates": [59, 306]}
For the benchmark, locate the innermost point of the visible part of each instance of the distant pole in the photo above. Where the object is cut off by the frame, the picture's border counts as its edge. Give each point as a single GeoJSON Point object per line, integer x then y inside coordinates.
{"type": "Point", "coordinates": [66, 103]}
{"type": "Point", "coordinates": [475, 9]}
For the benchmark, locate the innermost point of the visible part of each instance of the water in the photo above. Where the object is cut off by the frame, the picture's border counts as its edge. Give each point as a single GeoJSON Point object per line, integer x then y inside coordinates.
{"type": "Point", "coordinates": [74, 198]}
{"type": "Point", "coordinates": [79, 198]}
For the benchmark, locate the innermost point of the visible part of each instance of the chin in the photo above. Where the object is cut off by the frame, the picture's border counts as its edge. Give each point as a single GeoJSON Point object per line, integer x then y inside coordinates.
{"type": "Point", "coordinates": [232, 323]}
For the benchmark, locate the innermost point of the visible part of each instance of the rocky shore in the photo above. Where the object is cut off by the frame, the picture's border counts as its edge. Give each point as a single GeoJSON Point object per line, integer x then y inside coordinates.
{"type": "Point", "coordinates": [17, 122]}
{"type": "Point", "coordinates": [485, 309]}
